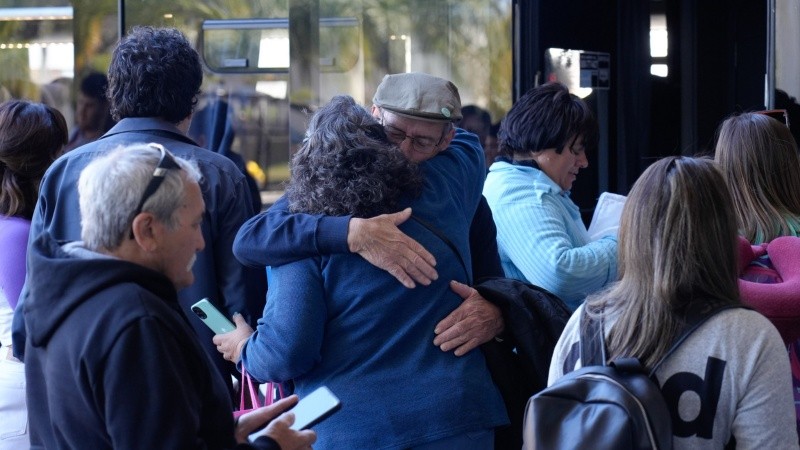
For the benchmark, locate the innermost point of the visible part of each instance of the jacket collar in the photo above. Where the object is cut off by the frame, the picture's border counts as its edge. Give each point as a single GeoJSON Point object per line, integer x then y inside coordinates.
{"type": "Point", "coordinates": [149, 125]}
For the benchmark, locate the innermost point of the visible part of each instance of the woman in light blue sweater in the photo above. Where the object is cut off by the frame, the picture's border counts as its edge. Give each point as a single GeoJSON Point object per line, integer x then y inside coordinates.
{"type": "Point", "coordinates": [540, 235]}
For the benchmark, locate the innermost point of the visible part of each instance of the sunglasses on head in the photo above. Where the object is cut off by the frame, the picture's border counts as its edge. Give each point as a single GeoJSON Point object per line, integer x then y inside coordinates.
{"type": "Point", "coordinates": [778, 114]}
{"type": "Point", "coordinates": [165, 163]}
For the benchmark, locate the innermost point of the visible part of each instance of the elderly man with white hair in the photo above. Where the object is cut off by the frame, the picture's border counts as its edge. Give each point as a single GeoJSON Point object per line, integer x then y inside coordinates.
{"type": "Point", "coordinates": [111, 361]}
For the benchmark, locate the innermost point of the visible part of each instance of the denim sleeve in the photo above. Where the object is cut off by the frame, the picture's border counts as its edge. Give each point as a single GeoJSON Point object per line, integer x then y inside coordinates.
{"type": "Point", "coordinates": [538, 240]}
{"type": "Point", "coordinates": [278, 236]}
{"type": "Point", "coordinates": [287, 342]}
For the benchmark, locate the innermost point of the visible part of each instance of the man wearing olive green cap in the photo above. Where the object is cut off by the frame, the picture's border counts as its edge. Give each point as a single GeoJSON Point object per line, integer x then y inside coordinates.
{"type": "Point", "coordinates": [419, 96]}
{"type": "Point", "coordinates": [417, 111]}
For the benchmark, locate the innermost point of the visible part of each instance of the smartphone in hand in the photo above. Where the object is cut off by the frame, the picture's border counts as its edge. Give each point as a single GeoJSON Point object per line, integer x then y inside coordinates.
{"type": "Point", "coordinates": [314, 408]}
{"type": "Point", "coordinates": [310, 410]}
{"type": "Point", "coordinates": [211, 316]}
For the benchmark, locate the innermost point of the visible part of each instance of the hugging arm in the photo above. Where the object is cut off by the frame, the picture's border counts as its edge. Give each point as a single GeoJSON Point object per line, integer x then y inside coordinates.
{"type": "Point", "coordinates": [278, 237]}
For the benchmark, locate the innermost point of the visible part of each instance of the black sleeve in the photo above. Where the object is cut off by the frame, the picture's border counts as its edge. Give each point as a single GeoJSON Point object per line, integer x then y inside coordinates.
{"type": "Point", "coordinates": [483, 244]}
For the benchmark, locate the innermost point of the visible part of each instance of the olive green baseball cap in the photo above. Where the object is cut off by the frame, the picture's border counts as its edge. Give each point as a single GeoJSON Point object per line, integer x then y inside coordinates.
{"type": "Point", "coordinates": [419, 96]}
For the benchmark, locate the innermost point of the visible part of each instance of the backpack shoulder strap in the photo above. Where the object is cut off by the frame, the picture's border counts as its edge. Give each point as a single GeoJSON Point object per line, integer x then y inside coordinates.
{"type": "Point", "coordinates": [592, 341]}
{"type": "Point", "coordinates": [695, 321]}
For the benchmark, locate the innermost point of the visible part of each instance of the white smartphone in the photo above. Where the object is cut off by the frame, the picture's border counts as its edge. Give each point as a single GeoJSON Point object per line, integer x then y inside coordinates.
{"type": "Point", "coordinates": [314, 408]}
{"type": "Point", "coordinates": [211, 316]}
{"type": "Point", "coordinates": [310, 410]}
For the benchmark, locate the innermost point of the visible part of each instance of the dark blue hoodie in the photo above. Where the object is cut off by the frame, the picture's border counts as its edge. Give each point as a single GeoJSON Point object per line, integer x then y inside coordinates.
{"type": "Point", "coordinates": [111, 361]}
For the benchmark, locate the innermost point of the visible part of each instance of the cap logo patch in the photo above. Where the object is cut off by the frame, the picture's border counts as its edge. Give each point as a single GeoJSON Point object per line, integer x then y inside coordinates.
{"type": "Point", "coordinates": [445, 112]}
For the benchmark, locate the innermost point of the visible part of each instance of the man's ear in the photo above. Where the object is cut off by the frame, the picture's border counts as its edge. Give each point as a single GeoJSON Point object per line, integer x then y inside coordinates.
{"type": "Point", "coordinates": [376, 112]}
{"type": "Point", "coordinates": [144, 231]}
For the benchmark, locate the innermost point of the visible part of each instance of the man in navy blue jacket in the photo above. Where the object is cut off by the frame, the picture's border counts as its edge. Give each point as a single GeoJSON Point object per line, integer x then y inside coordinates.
{"type": "Point", "coordinates": [407, 106]}
{"type": "Point", "coordinates": [154, 80]}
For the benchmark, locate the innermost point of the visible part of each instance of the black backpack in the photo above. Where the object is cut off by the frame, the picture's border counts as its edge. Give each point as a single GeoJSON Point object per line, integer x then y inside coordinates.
{"type": "Point", "coordinates": [614, 406]}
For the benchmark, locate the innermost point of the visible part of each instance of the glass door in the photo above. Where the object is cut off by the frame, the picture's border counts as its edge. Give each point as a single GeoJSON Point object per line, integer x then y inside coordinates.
{"type": "Point", "coordinates": [272, 62]}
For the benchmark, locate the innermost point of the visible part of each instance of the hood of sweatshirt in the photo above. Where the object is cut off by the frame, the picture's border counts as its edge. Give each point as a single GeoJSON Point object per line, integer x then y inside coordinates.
{"type": "Point", "coordinates": [59, 281]}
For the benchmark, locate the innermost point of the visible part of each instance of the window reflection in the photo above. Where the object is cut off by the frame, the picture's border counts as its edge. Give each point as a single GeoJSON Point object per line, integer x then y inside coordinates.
{"type": "Point", "coordinates": [44, 50]}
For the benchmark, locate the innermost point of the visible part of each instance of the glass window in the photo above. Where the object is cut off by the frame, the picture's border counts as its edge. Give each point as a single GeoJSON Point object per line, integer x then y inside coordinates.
{"type": "Point", "coordinates": [787, 52]}
{"type": "Point", "coordinates": [45, 45]}
{"type": "Point", "coordinates": [37, 53]}
{"type": "Point", "coordinates": [267, 70]}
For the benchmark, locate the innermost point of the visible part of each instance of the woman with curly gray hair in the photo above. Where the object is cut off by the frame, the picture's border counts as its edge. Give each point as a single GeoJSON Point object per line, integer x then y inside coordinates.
{"type": "Point", "coordinates": [345, 166]}
{"type": "Point", "coordinates": [333, 319]}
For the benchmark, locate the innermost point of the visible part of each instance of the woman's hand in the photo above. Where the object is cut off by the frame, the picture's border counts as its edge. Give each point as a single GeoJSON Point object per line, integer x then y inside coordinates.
{"type": "Point", "coordinates": [231, 344]}
{"type": "Point", "coordinates": [277, 429]}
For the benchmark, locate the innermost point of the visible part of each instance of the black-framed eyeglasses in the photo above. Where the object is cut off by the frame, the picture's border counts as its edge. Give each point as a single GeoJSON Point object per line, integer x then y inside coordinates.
{"type": "Point", "coordinates": [165, 163]}
{"type": "Point", "coordinates": [421, 144]}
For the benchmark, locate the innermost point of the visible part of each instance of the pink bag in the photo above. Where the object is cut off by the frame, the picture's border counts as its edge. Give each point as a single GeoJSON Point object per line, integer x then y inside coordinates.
{"type": "Point", "coordinates": [247, 385]}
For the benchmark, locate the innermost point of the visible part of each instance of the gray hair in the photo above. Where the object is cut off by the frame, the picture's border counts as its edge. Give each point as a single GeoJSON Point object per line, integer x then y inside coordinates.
{"type": "Point", "coordinates": [346, 165]}
{"type": "Point", "coordinates": [111, 186]}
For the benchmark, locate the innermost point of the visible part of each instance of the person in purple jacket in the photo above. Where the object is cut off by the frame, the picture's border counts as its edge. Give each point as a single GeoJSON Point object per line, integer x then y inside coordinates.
{"type": "Point", "coordinates": [32, 135]}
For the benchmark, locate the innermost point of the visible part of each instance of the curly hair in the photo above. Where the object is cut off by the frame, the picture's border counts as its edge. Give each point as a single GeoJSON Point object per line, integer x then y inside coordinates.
{"type": "Point", "coordinates": [547, 116]}
{"type": "Point", "coordinates": [32, 136]}
{"type": "Point", "coordinates": [154, 72]}
{"type": "Point", "coordinates": [346, 165]}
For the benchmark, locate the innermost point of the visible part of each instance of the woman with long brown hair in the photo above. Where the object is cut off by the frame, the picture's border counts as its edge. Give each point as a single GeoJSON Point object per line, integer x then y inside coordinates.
{"type": "Point", "coordinates": [677, 256]}
{"type": "Point", "coordinates": [761, 165]}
